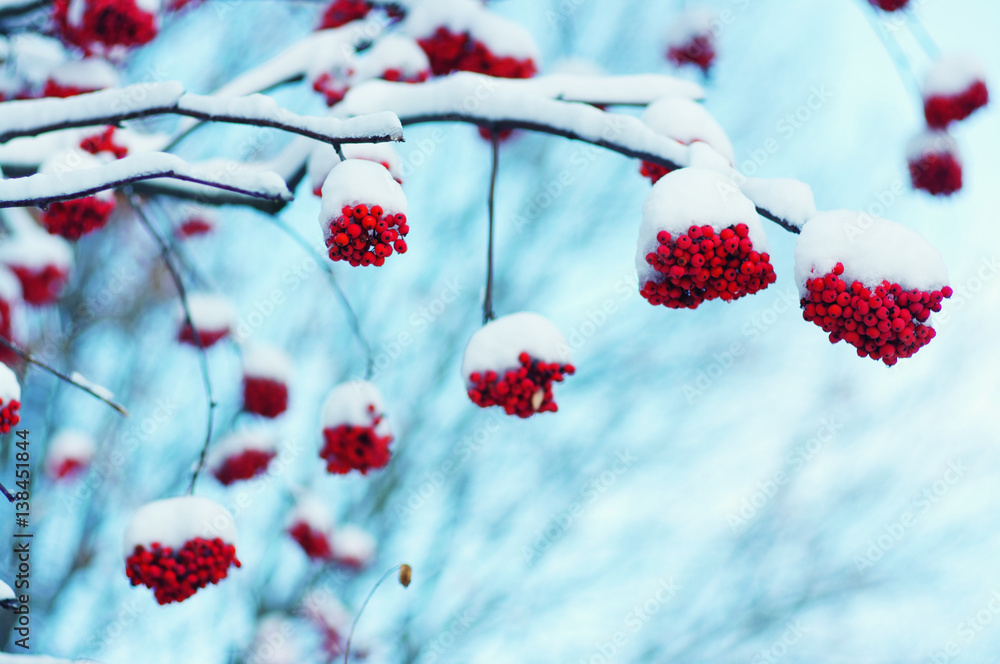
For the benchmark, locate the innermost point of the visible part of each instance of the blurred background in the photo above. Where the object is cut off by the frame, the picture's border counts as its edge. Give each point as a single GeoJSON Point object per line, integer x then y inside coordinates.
{"type": "Point", "coordinates": [790, 502]}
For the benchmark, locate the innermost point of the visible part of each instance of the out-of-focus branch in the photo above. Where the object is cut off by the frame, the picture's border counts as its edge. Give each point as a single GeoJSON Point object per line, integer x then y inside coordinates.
{"type": "Point", "coordinates": [488, 313]}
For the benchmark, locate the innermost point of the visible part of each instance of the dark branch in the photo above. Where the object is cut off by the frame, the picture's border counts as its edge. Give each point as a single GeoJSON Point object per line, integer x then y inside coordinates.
{"type": "Point", "coordinates": [488, 313]}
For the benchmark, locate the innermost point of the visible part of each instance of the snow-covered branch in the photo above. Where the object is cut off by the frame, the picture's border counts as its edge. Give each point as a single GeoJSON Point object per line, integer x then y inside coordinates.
{"type": "Point", "coordinates": [45, 188]}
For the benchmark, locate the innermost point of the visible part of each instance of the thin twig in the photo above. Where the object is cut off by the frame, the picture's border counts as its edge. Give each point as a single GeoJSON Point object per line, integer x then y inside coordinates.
{"type": "Point", "coordinates": [892, 48]}
{"type": "Point", "coordinates": [347, 648]}
{"type": "Point", "coordinates": [27, 357]}
{"type": "Point", "coordinates": [324, 263]}
{"type": "Point", "coordinates": [923, 37]}
{"type": "Point", "coordinates": [488, 313]}
{"type": "Point", "coordinates": [202, 355]}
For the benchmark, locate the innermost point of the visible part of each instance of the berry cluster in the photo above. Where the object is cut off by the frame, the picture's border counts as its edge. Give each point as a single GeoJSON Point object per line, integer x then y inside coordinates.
{"type": "Point", "coordinates": [9, 416]}
{"type": "Point", "coordinates": [314, 542]}
{"type": "Point", "coordinates": [395, 75]}
{"type": "Point", "coordinates": [702, 265]}
{"type": "Point", "coordinates": [938, 173]}
{"type": "Point", "coordinates": [56, 89]}
{"type": "Point", "coordinates": [75, 218]}
{"type": "Point", "coordinates": [366, 236]}
{"type": "Point", "coordinates": [448, 52]}
{"type": "Point", "coordinates": [653, 171]}
{"type": "Point", "coordinates": [208, 337]}
{"type": "Point", "coordinates": [175, 576]}
{"type": "Point", "coordinates": [243, 466]}
{"type": "Point", "coordinates": [104, 142]}
{"type": "Point", "coordinates": [105, 23]}
{"type": "Point", "coordinates": [940, 110]}
{"type": "Point", "coordinates": [264, 396]}
{"type": "Point", "coordinates": [889, 5]}
{"type": "Point", "coordinates": [342, 12]}
{"type": "Point", "coordinates": [884, 323]}
{"type": "Point", "coordinates": [68, 467]}
{"type": "Point", "coordinates": [523, 391]}
{"type": "Point", "coordinates": [333, 88]}
{"type": "Point", "coordinates": [348, 447]}
{"type": "Point", "coordinates": [42, 286]}
{"type": "Point", "coordinates": [698, 51]}
{"type": "Point", "coordinates": [194, 227]}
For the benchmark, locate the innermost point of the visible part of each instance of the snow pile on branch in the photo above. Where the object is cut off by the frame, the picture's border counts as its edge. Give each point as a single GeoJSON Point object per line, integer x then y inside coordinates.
{"type": "Point", "coordinates": [359, 182]}
{"type": "Point", "coordinates": [500, 35]}
{"type": "Point", "coordinates": [497, 346]}
{"type": "Point", "coordinates": [174, 521]}
{"type": "Point", "coordinates": [687, 121]}
{"type": "Point", "coordinates": [269, 362]}
{"type": "Point", "coordinates": [324, 157]}
{"type": "Point", "coordinates": [88, 74]}
{"type": "Point", "coordinates": [871, 249]}
{"type": "Point", "coordinates": [789, 202]}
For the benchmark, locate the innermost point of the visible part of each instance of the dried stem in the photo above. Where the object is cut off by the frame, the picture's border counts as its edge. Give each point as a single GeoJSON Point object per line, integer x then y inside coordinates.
{"type": "Point", "coordinates": [347, 648]}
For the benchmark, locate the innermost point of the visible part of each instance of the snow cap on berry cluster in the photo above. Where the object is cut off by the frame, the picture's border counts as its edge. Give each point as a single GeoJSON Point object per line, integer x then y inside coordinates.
{"type": "Point", "coordinates": [359, 182]}
{"type": "Point", "coordinates": [257, 440]}
{"type": "Point", "coordinates": [687, 121]}
{"type": "Point", "coordinates": [324, 157]}
{"type": "Point", "coordinates": [498, 344]}
{"type": "Point", "coordinates": [931, 142]}
{"type": "Point", "coordinates": [871, 249]}
{"type": "Point", "coordinates": [313, 512]}
{"type": "Point", "coordinates": [64, 164]}
{"type": "Point", "coordinates": [392, 52]}
{"type": "Point", "coordinates": [321, 606]}
{"type": "Point", "coordinates": [174, 521]}
{"type": "Point", "coordinates": [501, 36]}
{"type": "Point", "coordinates": [694, 197]}
{"type": "Point", "coordinates": [689, 25]}
{"type": "Point", "coordinates": [953, 75]}
{"type": "Point", "coordinates": [36, 250]}
{"type": "Point", "coordinates": [69, 444]}
{"type": "Point", "coordinates": [87, 74]}
{"type": "Point", "coordinates": [353, 546]}
{"type": "Point", "coordinates": [355, 403]}
{"type": "Point", "coordinates": [209, 313]}
{"type": "Point", "coordinates": [269, 362]}
{"type": "Point", "coordinates": [10, 389]}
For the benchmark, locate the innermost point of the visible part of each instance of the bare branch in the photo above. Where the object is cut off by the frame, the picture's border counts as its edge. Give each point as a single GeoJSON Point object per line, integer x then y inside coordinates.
{"type": "Point", "coordinates": [488, 313]}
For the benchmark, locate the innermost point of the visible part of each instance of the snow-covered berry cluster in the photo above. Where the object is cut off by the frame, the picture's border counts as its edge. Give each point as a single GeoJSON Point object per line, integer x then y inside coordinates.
{"type": "Point", "coordinates": [870, 282]}
{"type": "Point", "coordinates": [103, 142]}
{"type": "Point", "coordinates": [687, 122]}
{"type": "Point", "coordinates": [369, 221]}
{"type": "Point", "coordinates": [41, 263]}
{"type": "Point", "coordinates": [884, 323]}
{"type": "Point", "coordinates": [342, 12]}
{"type": "Point", "coordinates": [10, 399]}
{"type": "Point", "coordinates": [324, 157]}
{"type": "Point", "coordinates": [355, 433]}
{"type": "Point", "coordinates": [311, 526]}
{"type": "Point", "coordinates": [242, 456]}
{"type": "Point", "coordinates": [266, 375]}
{"type": "Point", "coordinates": [954, 89]}
{"type": "Point", "coordinates": [166, 551]}
{"type": "Point", "coordinates": [449, 52]}
{"type": "Point", "coordinates": [934, 162]}
{"type": "Point", "coordinates": [70, 453]}
{"type": "Point", "coordinates": [333, 87]}
{"type": "Point", "coordinates": [77, 77]}
{"type": "Point", "coordinates": [691, 40]}
{"type": "Point", "coordinates": [890, 5]}
{"type": "Point", "coordinates": [98, 26]}
{"type": "Point", "coordinates": [212, 317]}
{"type": "Point", "coordinates": [512, 362]}
{"type": "Point", "coordinates": [75, 218]}
{"type": "Point", "coordinates": [395, 58]}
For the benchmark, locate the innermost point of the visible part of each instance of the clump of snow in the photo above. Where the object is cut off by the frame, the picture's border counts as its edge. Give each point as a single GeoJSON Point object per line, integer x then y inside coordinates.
{"type": "Point", "coordinates": [353, 546]}
{"type": "Point", "coordinates": [501, 36]}
{"type": "Point", "coordinates": [687, 121]}
{"type": "Point", "coordinates": [931, 142]}
{"type": "Point", "coordinates": [34, 250]}
{"type": "Point", "coordinates": [97, 389]}
{"type": "Point", "coordinates": [689, 25]}
{"type": "Point", "coordinates": [694, 197]}
{"type": "Point", "coordinates": [67, 164]}
{"type": "Point", "coordinates": [313, 512]}
{"type": "Point", "coordinates": [392, 51]}
{"type": "Point", "coordinates": [87, 74]}
{"type": "Point", "coordinates": [35, 56]}
{"type": "Point", "coordinates": [355, 403]}
{"type": "Point", "coordinates": [209, 313]}
{"type": "Point", "coordinates": [324, 157]}
{"type": "Point", "coordinates": [872, 249]}
{"type": "Point", "coordinates": [953, 75]}
{"type": "Point", "coordinates": [10, 389]}
{"type": "Point", "coordinates": [359, 182]}
{"type": "Point", "coordinates": [69, 444]}
{"type": "Point", "coordinates": [174, 521]}
{"type": "Point", "coordinates": [6, 592]}
{"type": "Point", "coordinates": [270, 362]}
{"type": "Point", "coordinates": [789, 200]}
{"type": "Point", "coordinates": [256, 439]}
{"type": "Point", "coordinates": [497, 345]}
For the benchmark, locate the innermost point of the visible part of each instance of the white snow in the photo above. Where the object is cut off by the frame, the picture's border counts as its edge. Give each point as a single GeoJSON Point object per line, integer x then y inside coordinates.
{"type": "Point", "coordinates": [34, 250]}
{"type": "Point", "coordinates": [257, 439]}
{"type": "Point", "coordinates": [274, 642]}
{"type": "Point", "coordinates": [87, 74]}
{"type": "Point", "coordinates": [931, 142]}
{"type": "Point", "coordinates": [313, 512]}
{"type": "Point", "coordinates": [97, 389]}
{"type": "Point", "coordinates": [321, 606]}
{"type": "Point", "coordinates": [872, 250]}
{"type": "Point", "coordinates": [270, 362]}
{"type": "Point", "coordinates": [501, 36]}
{"type": "Point", "coordinates": [689, 25]}
{"type": "Point", "coordinates": [953, 75]}
{"type": "Point", "coordinates": [497, 345]}
{"type": "Point", "coordinates": [687, 121]}
{"type": "Point", "coordinates": [6, 592]}
{"type": "Point", "coordinates": [629, 89]}
{"type": "Point", "coordinates": [209, 312]}
{"type": "Point", "coordinates": [694, 197]}
{"type": "Point", "coordinates": [359, 182]}
{"type": "Point", "coordinates": [174, 521]}
{"type": "Point", "coordinates": [787, 199]}
{"type": "Point", "coordinates": [10, 286]}
{"type": "Point", "coordinates": [10, 389]}
{"type": "Point", "coordinates": [69, 444]}
{"type": "Point", "coordinates": [45, 186]}
{"type": "Point", "coordinates": [348, 403]}
{"type": "Point", "coordinates": [324, 157]}
{"type": "Point", "coordinates": [35, 55]}
{"type": "Point", "coordinates": [353, 544]}
{"type": "Point", "coordinates": [67, 167]}
{"type": "Point", "coordinates": [393, 51]}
